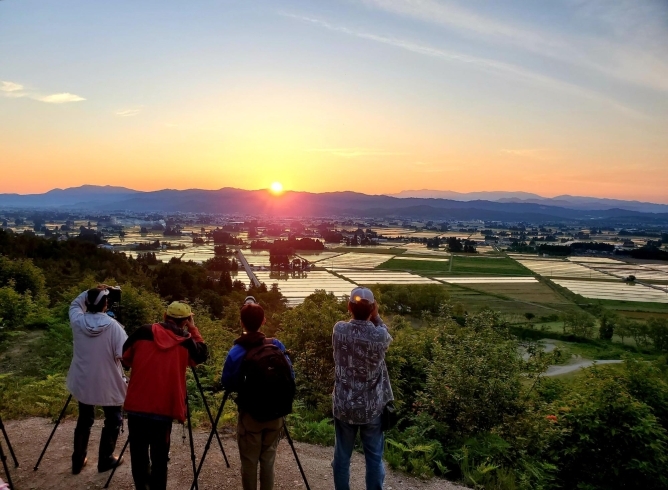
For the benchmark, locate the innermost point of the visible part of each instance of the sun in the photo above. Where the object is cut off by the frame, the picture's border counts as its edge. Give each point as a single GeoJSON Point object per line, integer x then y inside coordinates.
{"type": "Point", "coordinates": [276, 188]}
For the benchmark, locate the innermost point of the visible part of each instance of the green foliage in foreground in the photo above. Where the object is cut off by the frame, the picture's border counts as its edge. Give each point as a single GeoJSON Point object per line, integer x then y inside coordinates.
{"type": "Point", "coordinates": [471, 408]}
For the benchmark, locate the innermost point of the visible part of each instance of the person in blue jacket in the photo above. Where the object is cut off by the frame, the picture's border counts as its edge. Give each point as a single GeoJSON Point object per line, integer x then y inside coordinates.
{"type": "Point", "coordinates": [256, 436]}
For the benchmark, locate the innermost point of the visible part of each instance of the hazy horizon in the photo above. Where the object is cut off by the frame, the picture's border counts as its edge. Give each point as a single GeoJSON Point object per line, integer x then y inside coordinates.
{"type": "Point", "coordinates": [373, 96]}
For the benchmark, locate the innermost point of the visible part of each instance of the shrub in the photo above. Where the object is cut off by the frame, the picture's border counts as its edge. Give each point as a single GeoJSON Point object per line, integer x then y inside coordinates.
{"type": "Point", "coordinates": [610, 439]}
{"type": "Point", "coordinates": [15, 308]}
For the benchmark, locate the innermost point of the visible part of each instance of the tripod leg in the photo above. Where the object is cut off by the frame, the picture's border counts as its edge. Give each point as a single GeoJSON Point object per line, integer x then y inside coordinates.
{"type": "Point", "coordinates": [208, 441]}
{"type": "Point", "coordinates": [62, 412]}
{"type": "Point", "coordinates": [192, 444]}
{"type": "Point", "coordinates": [4, 464]}
{"type": "Point", "coordinates": [208, 411]}
{"type": "Point", "coordinates": [294, 451]}
{"type": "Point", "coordinates": [113, 470]}
{"type": "Point", "coordinates": [9, 444]}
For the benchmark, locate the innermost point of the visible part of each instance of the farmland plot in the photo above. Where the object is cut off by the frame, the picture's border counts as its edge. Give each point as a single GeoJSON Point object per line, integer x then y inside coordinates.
{"type": "Point", "coordinates": [639, 272]}
{"type": "Point", "coordinates": [552, 268]}
{"type": "Point", "coordinates": [317, 257]}
{"type": "Point", "coordinates": [385, 277]}
{"type": "Point", "coordinates": [615, 291]}
{"type": "Point", "coordinates": [488, 280]}
{"type": "Point", "coordinates": [594, 260]}
{"type": "Point", "coordinates": [355, 261]}
{"type": "Point", "coordinates": [257, 258]}
{"type": "Point", "coordinates": [297, 287]}
{"type": "Point", "coordinates": [429, 259]}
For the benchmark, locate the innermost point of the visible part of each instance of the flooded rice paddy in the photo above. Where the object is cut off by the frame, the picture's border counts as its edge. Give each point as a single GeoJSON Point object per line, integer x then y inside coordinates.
{"type": "Point", "coordinates": [488, 280]}
{"type": "Point", "coordinates": [384, 277]}
{"type": "Point", "coordinates": [354, 260]}
{"type": "Point", "coordinates": [554, 268]}
{"type": "Point", "coordinates": [296, 287]}
{"type": "Point", "coordinates": [616, 291]}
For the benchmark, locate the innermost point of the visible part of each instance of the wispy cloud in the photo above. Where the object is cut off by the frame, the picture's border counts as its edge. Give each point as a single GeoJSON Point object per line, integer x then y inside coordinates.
{"type": "Point", "coordinates": [14, 90]}
{"type": "Point", "coordinates": [63, 98]}
{"type": "Point", "coordinates": [631, 53]}
{"type": "Point", "coordinates": [128, 112]}
{"type": "Point", "coordinates": [353, 152]}
{"type": "Point", "coordinates": [509, 70]}
{"type": "Point", "coordinates": [11, 89]}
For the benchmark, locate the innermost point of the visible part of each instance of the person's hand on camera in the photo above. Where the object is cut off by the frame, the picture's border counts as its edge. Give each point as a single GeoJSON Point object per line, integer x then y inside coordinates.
{"type": "Point", "coordinates": [102, 286]}
{"type": "Point", "coordinates": [375, 318]}
{"type": "Point", "coordinates": [190, 323]}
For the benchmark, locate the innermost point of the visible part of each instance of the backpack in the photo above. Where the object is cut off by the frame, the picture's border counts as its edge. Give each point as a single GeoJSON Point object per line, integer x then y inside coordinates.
{"type": "Point", "coordinates": [267, 388]}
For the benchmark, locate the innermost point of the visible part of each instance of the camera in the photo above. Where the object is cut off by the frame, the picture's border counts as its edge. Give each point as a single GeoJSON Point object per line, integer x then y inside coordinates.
{"type": "Point", "coordinates": [114, 295]}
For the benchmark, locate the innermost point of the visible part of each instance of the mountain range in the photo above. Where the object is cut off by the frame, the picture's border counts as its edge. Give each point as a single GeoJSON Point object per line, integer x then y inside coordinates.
{"type": "Point", "coordinates": [565, 200]}
{"type": "Point", "coordinates": [436, 205]}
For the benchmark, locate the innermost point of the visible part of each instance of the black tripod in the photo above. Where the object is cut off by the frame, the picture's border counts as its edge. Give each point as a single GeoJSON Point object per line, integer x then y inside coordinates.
{"type": "Point", "coordinates": [208, 445]}
{"type": "Point", "coordinates": [62, 412]}
{"type": "Point", "coordinates": [190, 433]}
{"type": "Point", "coordinates": [4, 457]}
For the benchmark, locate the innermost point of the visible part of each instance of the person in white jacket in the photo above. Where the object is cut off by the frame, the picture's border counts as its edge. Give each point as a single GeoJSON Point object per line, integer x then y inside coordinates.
{"type": "Point", "coordinates": [96, 376]}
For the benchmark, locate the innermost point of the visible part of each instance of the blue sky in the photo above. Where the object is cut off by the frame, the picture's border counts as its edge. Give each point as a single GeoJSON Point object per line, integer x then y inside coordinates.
{"type": "Point", "coordinates": [550, 97]}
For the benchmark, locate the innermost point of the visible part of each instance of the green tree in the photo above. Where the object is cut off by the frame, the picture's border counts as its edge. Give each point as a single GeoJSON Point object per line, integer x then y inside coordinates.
{"type": "Point", "coordinates": [307, 333]}
{"type": "Point", "coordinates": [16, 309]}
{"type": "Point", "coordinates": [610, 439]}
{"type": "Point", "coordinates": [579, 324]}
{"type": "Point", "coordinates": [657, 330]}
{"type": "Point", "coordinates": [24, 275]}
{"type": "Point", "coordinates": [607, 322]}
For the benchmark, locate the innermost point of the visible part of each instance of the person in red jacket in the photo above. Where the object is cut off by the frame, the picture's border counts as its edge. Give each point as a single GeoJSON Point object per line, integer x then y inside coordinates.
{"type": "Point", "coordinates": [159, 355]}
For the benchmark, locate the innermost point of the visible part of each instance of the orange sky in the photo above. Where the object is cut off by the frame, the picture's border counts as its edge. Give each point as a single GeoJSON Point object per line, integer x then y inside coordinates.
{"type": "Point", "coordinates": [384, 97]}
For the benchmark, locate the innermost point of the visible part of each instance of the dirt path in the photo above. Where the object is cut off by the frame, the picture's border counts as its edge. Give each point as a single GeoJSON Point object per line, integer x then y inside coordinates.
{"type": "Point", "coordinates": [28, 437]}
{"type": "Point", "coordinates": [569, 368]}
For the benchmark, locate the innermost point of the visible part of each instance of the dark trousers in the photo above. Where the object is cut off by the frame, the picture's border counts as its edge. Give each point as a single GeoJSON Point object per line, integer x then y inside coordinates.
{"type": "Point", "coordinates": [113, 419]}
{"type": "Point", "coordinates": [149, 437]}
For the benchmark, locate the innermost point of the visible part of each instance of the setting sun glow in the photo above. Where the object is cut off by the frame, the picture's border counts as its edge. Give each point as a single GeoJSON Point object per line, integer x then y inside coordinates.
{"type": "Point", "coordinates": [276, 188]}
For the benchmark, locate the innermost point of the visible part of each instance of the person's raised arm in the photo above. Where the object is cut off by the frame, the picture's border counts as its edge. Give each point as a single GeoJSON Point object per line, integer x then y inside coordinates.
{"type": "Point", "coordinates": [197, 349]}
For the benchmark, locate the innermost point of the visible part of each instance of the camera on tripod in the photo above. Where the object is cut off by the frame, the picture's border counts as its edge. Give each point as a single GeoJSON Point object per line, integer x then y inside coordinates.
{"type": "Point", "coordinates": [114, 301]}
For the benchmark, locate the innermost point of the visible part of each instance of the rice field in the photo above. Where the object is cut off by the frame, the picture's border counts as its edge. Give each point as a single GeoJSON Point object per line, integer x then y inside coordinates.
{"type": "Point", "coordinates": [429, 259]}
{"type": "Point", "coordinates": [385, 277]}
{"type": "Point", "coordinates": [615, 291]}
{"type": "Point", "coordinates": [354, 260]}
{"type": "Point", "coordinates": [488, 280]}
{"type": "Point", "coordinates": [552, 268]}
{"type": "Point", "coordinates": [477, 265]}
{"type": "Point", "coordinates": [428, 252]}
{"type": "Point", "coordinates": [296, 288]}
{"type": "Point", "coordinates": [317, 257]}
{"type": "Point", "coordinates": [257, 258]}
{"type": "Point", "coordinates": [594, 260]}
{"type": "Point", "coordinates": [640, 273]}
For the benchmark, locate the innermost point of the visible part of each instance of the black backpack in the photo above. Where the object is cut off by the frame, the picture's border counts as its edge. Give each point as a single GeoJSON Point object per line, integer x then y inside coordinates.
{"type": "Point", "coordinates": [267, 388]}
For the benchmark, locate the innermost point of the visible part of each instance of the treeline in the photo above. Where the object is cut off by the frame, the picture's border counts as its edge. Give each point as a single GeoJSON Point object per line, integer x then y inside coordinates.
{"type": "Point", "coordinates": [63, 264]}
{"type": "Point", "coordinates": [224, 237]}
{"type": "Point", "coordinates": [564, 250]}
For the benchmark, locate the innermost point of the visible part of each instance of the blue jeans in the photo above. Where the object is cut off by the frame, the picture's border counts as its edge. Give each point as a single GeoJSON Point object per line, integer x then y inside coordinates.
{"type": "Point", "coordinates": [373, 442]}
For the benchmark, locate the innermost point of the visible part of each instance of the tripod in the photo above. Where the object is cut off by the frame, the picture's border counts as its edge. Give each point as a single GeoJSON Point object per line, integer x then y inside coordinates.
{"type": "Point", "coordinates": [4, 458]}
{"type": "Point", "coordinates": [192, 447]}
{"type": "Point", "coordinates": [62, 412]}
{"type": "Point", "coordinates": [208, 445]}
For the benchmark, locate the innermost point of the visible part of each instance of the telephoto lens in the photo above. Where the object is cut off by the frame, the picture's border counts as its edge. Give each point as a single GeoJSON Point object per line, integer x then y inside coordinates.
{"type": "Point", "coordinates": [114, 295]}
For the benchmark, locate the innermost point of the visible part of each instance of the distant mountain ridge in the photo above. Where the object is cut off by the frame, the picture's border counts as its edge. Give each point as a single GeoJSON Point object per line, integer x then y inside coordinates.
{"type": "Point", "coordinates": [566, 201]}
{"type": "Point", "coordinates": [260, 202]}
